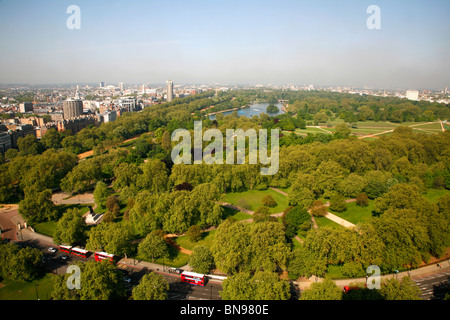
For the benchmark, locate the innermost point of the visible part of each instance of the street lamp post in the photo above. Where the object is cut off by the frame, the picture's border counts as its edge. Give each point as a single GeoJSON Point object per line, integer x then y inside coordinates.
{"type": "Point", "coordinates": [35, 286]}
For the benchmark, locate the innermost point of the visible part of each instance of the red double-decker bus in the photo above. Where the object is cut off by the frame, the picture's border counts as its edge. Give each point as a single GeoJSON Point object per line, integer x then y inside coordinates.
{"type": "Point", "coordinates": [197, 279]}
{"type": "Point", "coordinates": [75, 251]}
{"type": "Point", "coordinates": [65, 249]}
{"type": "Point", "coordinates": [79, 252]}
{"type": "Point", "coordinates": [100, 256]}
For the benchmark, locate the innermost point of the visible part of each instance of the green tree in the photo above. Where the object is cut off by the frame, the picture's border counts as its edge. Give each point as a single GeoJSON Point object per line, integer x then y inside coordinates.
{"type": "Point", "coordinates": [230, 247]}
{"type": "Point", "coordinates": [404, 289]}
{"type": "Point", "coordinates": [152, 286]}
{"type": "Point", "coordinates": [295, 219]}
{"type": "Point", "coordinates": [110, 237]}
{"type": "Point", "coordinates": [353, 269]}
{"type": "Point", "coordinates": [267, 245]}
{"type": "Point", "coordinates": [19, 264]}
{"type": "Point", "coordinates": [126, 175]}
{"type": "Point", "coordinates": [269, 201]}
{"type": "Point", "coordinates": [362, 200]}
{"type": "Point", "coordinates": [342, 131]}
{"type": "Point", "coordinates": [112, 203]}
{"type": "Point", "coordinates": [166, 142]}
{"type": "Point", "coordinates": [352, 185]}
{"type": "Point", "coordinates": [202, 260]}
{"type": "Point", "coordinates": [70, 229]}
{"type": "Point", "coordinates": [263, 285]}
{"type": "Point", "coordinates": [194, 233]}
{"type": "Point", "coordinates": [324, 290]}
{"type": "Point", "coordinates": [52, 139]}
{"type": "Point", "coordinates": [318, 209]}
{"type": "Point", "coordinates": [6, 184]}
{"type": "Point", "coordinates": [337, 203]}
{"type": "Point", "coordinates": [154, 176]}
{"type": "Point", "coordinates": [261, 214]}
{"type": "Point", "coordinates": [98, 281]}
{"type": "Point", "coordinates": [37, 205]}
{"type": "Point", "coordinates": [153, 247]}
{"type": "Point", "coordinates": [29, 145]}
{"type": "Point", "coordinates": [101, 193]}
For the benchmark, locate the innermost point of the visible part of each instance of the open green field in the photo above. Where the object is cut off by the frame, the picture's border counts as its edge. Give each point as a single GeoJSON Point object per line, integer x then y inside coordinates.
{"type": "Point", "coordinates": [15, 290]}
{"type": "Point", "coordinates": [325, 222]}
{"type": "Point", "coordinates": [356, 214]}
{"type": "Point", "coordinates": [372, 127]}
{"type": "Point", "coordinates": [47, 228]}
{"type": "Point", "coordinates": [433, 195]}
{"type": "Point", "coordinates": [176, 259]}
{"type": "Point", "coordinates": [206, 240]}
{"type": "Point", "coordinates": [254, 198]}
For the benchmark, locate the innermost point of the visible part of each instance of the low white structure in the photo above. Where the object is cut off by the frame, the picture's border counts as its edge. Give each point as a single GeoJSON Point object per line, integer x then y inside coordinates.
{"type": "Point", "coordinates": [92, 218]}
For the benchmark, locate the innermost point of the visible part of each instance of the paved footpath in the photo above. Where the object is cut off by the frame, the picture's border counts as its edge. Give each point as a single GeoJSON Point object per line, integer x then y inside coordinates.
{"type": "Point", "coordinates": [415, 274]}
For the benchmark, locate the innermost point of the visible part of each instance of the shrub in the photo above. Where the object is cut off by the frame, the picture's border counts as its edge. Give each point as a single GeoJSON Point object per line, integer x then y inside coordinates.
{"type": "Point", "coordinates": [268, 201]}
{"type": "Point", "coordinates": [318, 209]}
{"type": "Point", "coordinates": [194, 233]}
{"type": "Point", "coordinates": [338, 204]}
{"type": "Point", "coordinates": [362, 200]}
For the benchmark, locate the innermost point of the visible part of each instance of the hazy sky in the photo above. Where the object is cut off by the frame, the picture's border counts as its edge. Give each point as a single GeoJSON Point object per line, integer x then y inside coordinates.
{"type": "Point", "coordinates": [206, 41]}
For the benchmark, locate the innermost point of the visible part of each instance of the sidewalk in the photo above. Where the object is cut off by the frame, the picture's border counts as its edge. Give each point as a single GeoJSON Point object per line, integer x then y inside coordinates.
{"type": "Point", "coordinates": [415, 274]}
{"type": "Point", "coordinates": [139, 264]}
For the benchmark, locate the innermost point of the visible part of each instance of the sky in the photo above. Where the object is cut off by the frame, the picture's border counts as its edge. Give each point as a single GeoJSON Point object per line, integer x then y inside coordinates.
{"type": "Point", "coordinates": [295, 42]}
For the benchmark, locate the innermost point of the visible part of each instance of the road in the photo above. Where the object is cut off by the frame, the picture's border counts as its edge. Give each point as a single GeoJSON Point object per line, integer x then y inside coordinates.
{"type": "Point", "coordinates": [58, 262]}
{"type": "Point", "coordinates": [434, 286]}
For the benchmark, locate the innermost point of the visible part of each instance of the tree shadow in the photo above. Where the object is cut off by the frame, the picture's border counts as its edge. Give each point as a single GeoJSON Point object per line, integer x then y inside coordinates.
{"type": "Point", "coordinates": [441, 290]}
{"type": "Point", "coordinates": [179, 290]}
{"type": "Point", "coordinates": [362, 294]}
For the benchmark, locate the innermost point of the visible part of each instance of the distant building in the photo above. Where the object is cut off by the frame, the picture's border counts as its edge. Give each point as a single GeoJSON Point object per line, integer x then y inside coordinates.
{"type": "Point", "coordinates": [109, 116]}
{"type": "Point", "coordinates": [412, 95]}
{"type": "Point", "coordinates": [5, 139]}
{"type": "Point", "coordinates": [169, 84]}
{"type": "Point", "coordinates": [121, 86]}
{"type": "Point", "coordinates": [19, 131]}
{"type": "Point", "coordinates": [102, 84]}
{"type": "Point", "coordinates": [75, 124]}
{"type": "Point", "coordinates": [26, 107]}
{"type": "Point", "coordinates": [128, 104]}
{"type": "Point", "coordinates": [72, 108]}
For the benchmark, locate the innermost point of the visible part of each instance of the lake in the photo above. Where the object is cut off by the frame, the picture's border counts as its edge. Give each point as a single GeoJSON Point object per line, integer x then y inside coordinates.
{"type": "Point", "coordinates": [253, 110]}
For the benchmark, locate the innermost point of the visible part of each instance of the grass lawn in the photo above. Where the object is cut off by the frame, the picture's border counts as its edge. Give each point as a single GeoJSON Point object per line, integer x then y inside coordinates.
{"type": "Point", "coordinates": [47, 228]}
{"type": "Point", "coordinates": [324, 222]}
{"type": "Point", "coordinates": [15, 290]}
{"type": "Point", "coordinates": [206, 240]}
{"type": "Point", "coordinates": [334, 272]}
{"type": "Point", "coordinates": [433, 195]}
{"type": "Point", "coordinates": [355, 213]}
{"type": "Point", "coordinates": [181, 259]}
{"type": "Point", "coordinates": [254, 198]}
{"type": "Point", "coordinates": [176, 259]}
{"type": "Point", "coordinates": [228, 212]}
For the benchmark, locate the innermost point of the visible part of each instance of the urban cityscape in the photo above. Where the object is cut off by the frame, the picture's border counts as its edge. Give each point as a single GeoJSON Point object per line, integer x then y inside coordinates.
{"type": "Point", "coordinates": [95, 204]}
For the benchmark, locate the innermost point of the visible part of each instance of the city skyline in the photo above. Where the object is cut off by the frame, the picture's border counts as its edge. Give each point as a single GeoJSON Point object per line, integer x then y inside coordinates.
{"type": "Point", "coordinates": [325, 43]}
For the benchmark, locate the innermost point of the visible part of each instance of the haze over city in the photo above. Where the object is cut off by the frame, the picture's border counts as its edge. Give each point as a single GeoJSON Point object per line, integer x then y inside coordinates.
{"type": "Point", "coordinates": [235, 42]}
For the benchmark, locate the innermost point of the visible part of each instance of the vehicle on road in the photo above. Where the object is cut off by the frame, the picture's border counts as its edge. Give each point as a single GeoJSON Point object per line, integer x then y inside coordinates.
{"type": "Point", "coordinates": [51, 249]}
{"type": "Point", "coordinates": [197, 279]}
{"type": "Point", "coordinates": [100, 256]}
{"type": "Point", "coordinates": [126, 279]}
{"type": "Point", "coordinates": [75, 251]}
{"type": "Point", "coordinates": [175, 270]}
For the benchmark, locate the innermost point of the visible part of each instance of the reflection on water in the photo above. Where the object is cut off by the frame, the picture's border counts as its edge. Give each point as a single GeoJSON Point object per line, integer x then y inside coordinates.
{"type": "Point", "coordinates": [253, 110]}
